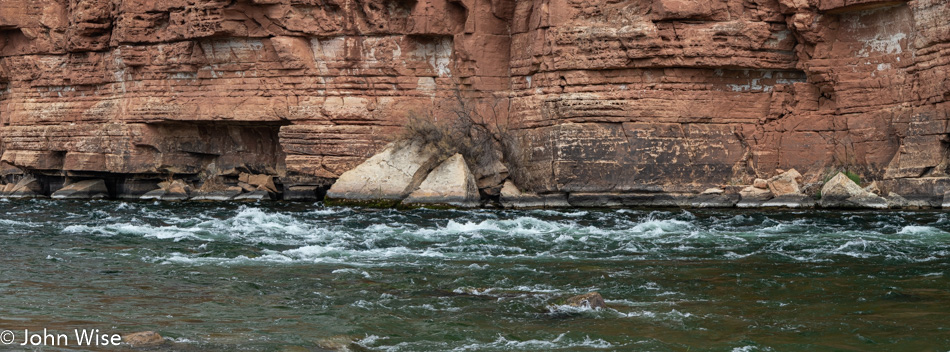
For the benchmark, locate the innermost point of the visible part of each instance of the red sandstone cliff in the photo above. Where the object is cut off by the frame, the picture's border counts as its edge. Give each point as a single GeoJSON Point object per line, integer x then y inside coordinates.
{"type": "Point", "coordinates": [613, 95]}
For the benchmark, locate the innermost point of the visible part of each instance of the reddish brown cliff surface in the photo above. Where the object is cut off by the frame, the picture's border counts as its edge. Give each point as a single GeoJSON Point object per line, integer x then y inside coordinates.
{"type": "Point", "coordinates": [613, 96]}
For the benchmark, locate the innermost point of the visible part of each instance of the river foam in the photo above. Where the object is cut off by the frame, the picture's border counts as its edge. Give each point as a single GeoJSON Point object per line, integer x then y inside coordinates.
{"type": "Point", "coordinates": [231, 276]}
{"type": "Point", "coordinates": [373, 237]}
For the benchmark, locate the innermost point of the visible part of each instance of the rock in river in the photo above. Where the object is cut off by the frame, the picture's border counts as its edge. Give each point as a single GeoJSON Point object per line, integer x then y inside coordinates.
{"type": "Point", "coordinates": [588, 300]}
{"type": "Point", "coordinates": [143, 339]}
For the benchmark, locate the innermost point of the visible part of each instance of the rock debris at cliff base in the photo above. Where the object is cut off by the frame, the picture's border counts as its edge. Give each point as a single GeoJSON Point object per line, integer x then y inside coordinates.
{"type": "Point", "coordinates": [619, 102]}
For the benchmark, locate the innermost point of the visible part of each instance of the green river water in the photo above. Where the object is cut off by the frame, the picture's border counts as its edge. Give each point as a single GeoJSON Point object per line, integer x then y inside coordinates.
{"type": "Point", "coordinates": [303, 277]}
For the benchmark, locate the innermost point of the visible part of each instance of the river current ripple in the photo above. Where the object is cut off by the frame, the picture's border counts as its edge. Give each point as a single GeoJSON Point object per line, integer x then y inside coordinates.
{"type": "Point", "coordinates": [286, 276]}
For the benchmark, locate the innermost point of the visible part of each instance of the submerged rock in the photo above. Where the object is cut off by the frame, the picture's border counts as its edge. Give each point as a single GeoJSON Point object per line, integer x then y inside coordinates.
{"type": "Point", "coordinates": [451, 183]}
{"type": "Point", "coordinates": [143, 339]}
{"type": "Point", "coordinates": [88, 189]}
{"type": "Point", "coordinates": [340, 343]}
{"type": "Point", "coordinates": [387, 177]}
{"type": "Point", "coordinates": [591, 300]}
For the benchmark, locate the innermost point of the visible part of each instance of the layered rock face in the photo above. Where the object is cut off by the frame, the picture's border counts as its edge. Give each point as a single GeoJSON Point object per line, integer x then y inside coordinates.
{"type": "Point", "coordinates": [623, 97]}
{"type": "Point", "coordinates": [675, 95]}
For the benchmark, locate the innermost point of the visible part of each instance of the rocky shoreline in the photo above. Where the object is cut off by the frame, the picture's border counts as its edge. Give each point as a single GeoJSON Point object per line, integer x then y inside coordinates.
{"type": "Point", "coordinates": [410, 174]}
{"type": "Point", "coordinates": [511, 198]}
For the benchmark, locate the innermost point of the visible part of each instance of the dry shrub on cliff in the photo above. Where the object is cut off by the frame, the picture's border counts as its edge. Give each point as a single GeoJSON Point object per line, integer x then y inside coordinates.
{"type": "Point", "coordinates": [479, 132]}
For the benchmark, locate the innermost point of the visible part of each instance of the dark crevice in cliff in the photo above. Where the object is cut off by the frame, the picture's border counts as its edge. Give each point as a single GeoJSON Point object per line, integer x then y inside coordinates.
{"type": "Point", "coordinates": [867, 6]}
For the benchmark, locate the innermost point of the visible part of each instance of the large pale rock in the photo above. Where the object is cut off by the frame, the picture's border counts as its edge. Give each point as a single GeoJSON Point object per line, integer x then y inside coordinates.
{"type": "Point", "coordinates": [841, 192]}
{"type": "Point", "coordinates": [451, 183]}
{"type": "Point", "coordinates": [26, 187]}
{"type": "Point", "coordinates": [785, 183]}
{"type": "Point", "coordinates": [840, 187]}
{"type": "Point", "coordinates": [387, 176]}
{"type": "Point", "coordinates": [88, 189]}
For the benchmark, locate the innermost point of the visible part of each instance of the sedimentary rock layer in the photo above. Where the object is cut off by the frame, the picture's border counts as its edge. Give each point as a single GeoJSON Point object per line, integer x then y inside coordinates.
{"type": "Point", "coordinates": [608, 96]}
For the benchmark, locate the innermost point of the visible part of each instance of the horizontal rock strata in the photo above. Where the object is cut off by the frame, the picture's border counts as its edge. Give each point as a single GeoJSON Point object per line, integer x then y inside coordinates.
{"type": "Point", "coordinates": [622, 103]}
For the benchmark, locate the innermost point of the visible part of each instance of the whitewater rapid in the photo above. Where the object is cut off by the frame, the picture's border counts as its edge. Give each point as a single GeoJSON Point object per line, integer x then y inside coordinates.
{"type": "Point", "coordinates": [259, 276]}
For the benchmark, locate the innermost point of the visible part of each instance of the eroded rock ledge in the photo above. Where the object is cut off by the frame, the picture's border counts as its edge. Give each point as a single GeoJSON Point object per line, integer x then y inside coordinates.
{"type": "Point", "coordinates": [619, 103]}
{"type": "Point", "coordinates": [392, 178]}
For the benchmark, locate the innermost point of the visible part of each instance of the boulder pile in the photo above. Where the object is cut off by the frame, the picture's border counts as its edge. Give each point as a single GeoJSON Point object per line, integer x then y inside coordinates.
{"type": "Point", "coordinates": [409, 174]}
